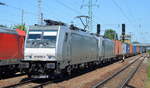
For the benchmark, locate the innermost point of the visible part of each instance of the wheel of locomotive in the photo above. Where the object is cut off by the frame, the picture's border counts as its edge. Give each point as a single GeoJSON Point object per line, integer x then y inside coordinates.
{"type": "Point", "coordinates": [68, 70]}
{"type": "Point", "coordinates": [86, 66]}
{"type": "Point", "coordinates": [29, 75]}
{"type": "Point", "coordinates": [22, 71]}
{"type": "Point", "coordinates": [62, 75]}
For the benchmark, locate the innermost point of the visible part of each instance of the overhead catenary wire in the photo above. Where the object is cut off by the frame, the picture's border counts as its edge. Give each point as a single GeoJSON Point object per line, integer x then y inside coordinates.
{"type": "Point", "coordinates": [90, 4]}
{"type": "Point", "coordinates": [10, 21]}
{"type": "Point", "coordinates": [123, 13]}
{"type": "Point", "coordinates": [55, 17]}
{"type": "Point", "coordinates": [17, 8]}
{"type": "Point", "coordinates": [138, 26]}
{"type": "Point", "coordinates": [29, 12]}
{"type": "Point", "coordinates": [22, 11]}
{"type": "Point", "coordinates": [25, 11]}
{"type": "Point", "coordinates": [68, 7]}
{"type": "Point", "coordinates": [130, 11]}
{"type": "Point", "coordinates": [121, 10]}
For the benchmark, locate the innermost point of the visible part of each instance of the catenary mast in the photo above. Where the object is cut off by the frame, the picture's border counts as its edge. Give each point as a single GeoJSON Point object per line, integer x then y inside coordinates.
{"type": "Point", "coordinates": [40, 14]}
{"type": "Point", "coordinates": [90, 13]}
{"type": "Point", "coordinates": [90, 6]}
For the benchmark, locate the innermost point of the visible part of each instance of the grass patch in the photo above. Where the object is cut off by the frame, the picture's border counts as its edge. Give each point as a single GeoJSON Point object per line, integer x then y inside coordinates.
{"type": "Point", "coordinates": [149, 71]}
{"type": "Point", "coordinates": [148, 74]}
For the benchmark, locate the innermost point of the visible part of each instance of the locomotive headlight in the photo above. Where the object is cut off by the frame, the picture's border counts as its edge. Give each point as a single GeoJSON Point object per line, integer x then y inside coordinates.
{"type": "Point", "coordinates": [51, 57]}
{"type": "Point", "coordinates": [28, 57]}
{"type": "Point", "coordinates": [50, 65]}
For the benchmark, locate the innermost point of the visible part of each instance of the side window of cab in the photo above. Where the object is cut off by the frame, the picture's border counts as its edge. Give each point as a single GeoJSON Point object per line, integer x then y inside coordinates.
{"type": "Point", "coordinates": [66, 36]}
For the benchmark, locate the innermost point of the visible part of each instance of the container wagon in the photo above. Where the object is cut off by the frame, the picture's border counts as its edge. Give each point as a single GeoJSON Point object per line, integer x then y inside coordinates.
{"type": "Point", "coordinates": [134, 49]}
{"type": "Point", "coordinates": [11, 50]}
{"type": "Point", "coordinates": [130, 50]}
{"type": "Point", "coordinates": [118, 48]}
{"type": "Point", "coordinates": [138, 49]}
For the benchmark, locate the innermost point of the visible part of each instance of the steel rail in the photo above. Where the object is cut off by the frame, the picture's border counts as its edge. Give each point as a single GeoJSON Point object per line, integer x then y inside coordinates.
{"type": "Point", "coordinates": [19, 84]}
{"type": "Point", "coordinates": [115, 74]}
{"type": "Point", "coordinates": [13, 76]}
{"type": "Point", "coordinates": [43, 84]}
{"type": "Point", "coordinates": [131, 75]}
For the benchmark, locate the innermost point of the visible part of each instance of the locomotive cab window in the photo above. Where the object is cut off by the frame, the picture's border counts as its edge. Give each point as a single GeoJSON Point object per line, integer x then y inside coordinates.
{"type": "Point", "coordinates": [66, 36]}
{"type": "Point", "coordinates": [42, 39]}
{"type": "Point", "coordinates": [34, 35]}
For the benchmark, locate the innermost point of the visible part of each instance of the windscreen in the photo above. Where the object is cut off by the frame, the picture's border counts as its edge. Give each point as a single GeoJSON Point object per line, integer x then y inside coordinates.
{"type": "Point", "coordinates": [34, 36]}
{"type": "Point", "coordinates": [41, 39]}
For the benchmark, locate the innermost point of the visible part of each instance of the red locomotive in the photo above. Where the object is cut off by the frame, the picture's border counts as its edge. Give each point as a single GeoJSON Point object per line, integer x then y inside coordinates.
{"type": "Point", "coordinates": [11, 50]}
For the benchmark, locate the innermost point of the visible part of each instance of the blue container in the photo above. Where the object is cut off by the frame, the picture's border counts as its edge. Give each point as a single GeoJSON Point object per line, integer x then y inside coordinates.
{"type": "Point", "coordinates": [127, 48]}
{"type": "Point", "coordinates": [134, 49]}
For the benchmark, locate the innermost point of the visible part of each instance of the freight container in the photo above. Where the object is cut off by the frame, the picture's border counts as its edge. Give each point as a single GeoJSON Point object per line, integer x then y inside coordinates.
{"type": "Point", "coordinates": [131, 48]}
{"type": "Point", "coordinates": [11, 50]}
{"type": "Point", "coordinates": [138, 49]}
{"type": "Point", "coordinates": [11, 45]}
{"type": "Point", "coordinates": [118, 47]}
{"type": "Point", "coordinates": [127, 48]}
{"type": "Point", "coordinates": [124, 48]}
{"type": "Point", "coordinates": [134, 49]}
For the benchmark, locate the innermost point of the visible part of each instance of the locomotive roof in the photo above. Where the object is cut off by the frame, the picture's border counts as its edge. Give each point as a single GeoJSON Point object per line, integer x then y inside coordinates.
{"type": "Point", "coordinates": [7, 30]}
{"type": "Point", "coordinates": [44, 27]}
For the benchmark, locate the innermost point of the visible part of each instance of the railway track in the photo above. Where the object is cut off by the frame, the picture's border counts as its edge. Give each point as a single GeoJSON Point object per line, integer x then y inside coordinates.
{"type": "Point", "coordinates": [121, 78]}
{"type": "Point", "coordinates": [43, 84]}
{"type": "Point", "coordinates": [20, 84]}
{"type": "Point", "coordinates": [11, 76]}
{"type": "Point", "coordinates": [33, 83]}
{"type": "Point", "coordinates": [36, 83]}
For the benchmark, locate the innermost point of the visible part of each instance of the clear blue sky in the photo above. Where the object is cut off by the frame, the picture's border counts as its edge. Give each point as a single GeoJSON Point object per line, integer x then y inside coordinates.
{"type": "Point", "coordinates": [134, 13]}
